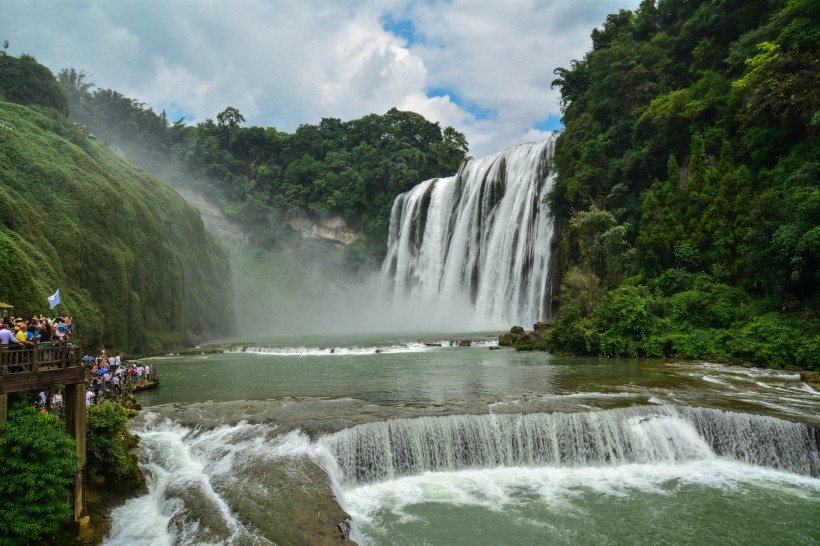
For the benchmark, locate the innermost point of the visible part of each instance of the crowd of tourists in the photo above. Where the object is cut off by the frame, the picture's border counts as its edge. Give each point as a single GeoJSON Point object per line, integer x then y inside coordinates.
{"type": "Point", "coordinates": [111, 376]}
{"type": "Point", "coordinates": [108, 376]}
{"type": "Point", "coordinates": [30, 332]}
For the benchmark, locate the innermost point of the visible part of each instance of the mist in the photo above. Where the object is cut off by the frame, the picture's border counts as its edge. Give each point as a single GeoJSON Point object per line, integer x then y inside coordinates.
{"type": "Point", "coordinates": [283, 293]}
{"type": "Point", "coordinates": [467, 253]}
{"type": "Point", "coordinates": [305, 286]}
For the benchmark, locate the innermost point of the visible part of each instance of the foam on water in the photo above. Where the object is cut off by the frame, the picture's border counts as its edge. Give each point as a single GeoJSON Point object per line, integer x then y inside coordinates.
{"type": "Point", "coordinates": [332, 351]}
{"type": "Point", "coordinates": [496, 489]}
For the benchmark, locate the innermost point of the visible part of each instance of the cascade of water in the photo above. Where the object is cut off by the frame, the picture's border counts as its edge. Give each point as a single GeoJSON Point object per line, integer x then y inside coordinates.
{"type": "Point", "coordinates": [640, 434]}
{"type": "Point", "coordinates": [479, 239]}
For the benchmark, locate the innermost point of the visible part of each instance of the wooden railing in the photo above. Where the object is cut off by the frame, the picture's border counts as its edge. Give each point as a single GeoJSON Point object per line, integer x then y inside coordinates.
{"type": "Point", "coordinates": [45, 356]}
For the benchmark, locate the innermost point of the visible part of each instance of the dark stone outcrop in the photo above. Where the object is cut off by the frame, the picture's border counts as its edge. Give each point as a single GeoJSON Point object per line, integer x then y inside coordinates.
{"type": "Point", "coordinates": [522, 340]}
{"type": "Point", "coordinates": [542, 326]}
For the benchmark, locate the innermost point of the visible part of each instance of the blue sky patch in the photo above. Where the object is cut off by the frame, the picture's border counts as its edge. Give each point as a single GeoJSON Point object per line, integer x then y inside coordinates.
{"type": "Point", "coordinates": [552, 123]}
{"type": "Point", "coordinates": [174, 113]}
{"type": "Point", "coordinates": [476, 110]}
{"type": "Point", "coordinates": [403, 28]}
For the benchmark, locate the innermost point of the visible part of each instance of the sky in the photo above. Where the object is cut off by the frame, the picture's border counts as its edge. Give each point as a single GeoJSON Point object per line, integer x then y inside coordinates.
{"type": "Point", "coordinates": [481, 66]}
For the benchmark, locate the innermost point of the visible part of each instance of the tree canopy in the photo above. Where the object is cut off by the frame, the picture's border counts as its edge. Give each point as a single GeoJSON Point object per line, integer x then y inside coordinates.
{"type": "Point", "coordinates": [691, 127]}
{"type": "Point", "coordinates": [263, 176]}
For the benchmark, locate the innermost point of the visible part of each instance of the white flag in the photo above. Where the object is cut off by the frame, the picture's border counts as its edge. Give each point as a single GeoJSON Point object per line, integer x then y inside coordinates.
{"type": "Point", "coordinates": [55, 299]}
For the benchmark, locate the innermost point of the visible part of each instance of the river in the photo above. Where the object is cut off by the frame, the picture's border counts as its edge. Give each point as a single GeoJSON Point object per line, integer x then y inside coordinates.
{"type": "Point", "coordinates": [423, 442]}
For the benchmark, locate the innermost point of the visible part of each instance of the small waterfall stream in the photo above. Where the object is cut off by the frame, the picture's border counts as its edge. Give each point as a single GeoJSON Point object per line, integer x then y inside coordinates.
{"type": "Point", "coordinates": [479, 240]}
{"type": "Point", "coordinates": [636, 435]}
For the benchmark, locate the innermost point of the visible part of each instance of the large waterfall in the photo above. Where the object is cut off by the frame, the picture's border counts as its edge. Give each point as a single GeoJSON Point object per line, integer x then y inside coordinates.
{"type": "Point", "coordinates": [478, 242]}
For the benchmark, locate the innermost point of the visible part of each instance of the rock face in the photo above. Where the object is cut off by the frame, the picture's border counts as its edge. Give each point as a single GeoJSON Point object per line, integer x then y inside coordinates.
{"type": "Point", "coordinates": [215, 221]}
{"type": "Point", "coordinates": [811, 379]}
{"type": "Point", "coordinates": [518, 338]}
{"type": "Point", "coordinates": [333, 228]}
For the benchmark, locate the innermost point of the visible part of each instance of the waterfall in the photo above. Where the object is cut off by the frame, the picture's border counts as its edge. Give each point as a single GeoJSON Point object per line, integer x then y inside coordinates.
{"type": "Point", "coordinates": [641, 434]}
{"type": "Point", "coordinates": [479, 240]}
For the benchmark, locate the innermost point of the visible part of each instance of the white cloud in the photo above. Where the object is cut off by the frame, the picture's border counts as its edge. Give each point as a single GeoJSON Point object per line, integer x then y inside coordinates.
{"type": "Point", "coordinates": [284, 63]}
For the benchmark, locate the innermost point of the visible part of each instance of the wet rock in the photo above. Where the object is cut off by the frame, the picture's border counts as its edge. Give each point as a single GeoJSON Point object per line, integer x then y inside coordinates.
{"type": "Point", "coordinates": [506, 339]}
{"type": "Point", "coordinates": [200, 519]}
{"type": "Point", "coordinates": [542, 326]}
{"type": "Point", "coordinates": [811, 379]}
{"type": "Point", "coordinates": [519, 339]}
{"type": "Point", "coordinates": [287, 499]}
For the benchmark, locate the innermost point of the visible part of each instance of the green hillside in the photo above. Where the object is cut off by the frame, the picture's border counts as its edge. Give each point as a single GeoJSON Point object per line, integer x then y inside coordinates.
{"type": "Point", "coordinates": [131, 258]}
{"type": "Point", "coordinates": [688, 184]}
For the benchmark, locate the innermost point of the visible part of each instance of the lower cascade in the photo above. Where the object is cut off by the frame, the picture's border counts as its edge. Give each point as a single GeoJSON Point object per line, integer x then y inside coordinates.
{"type": "Point", "coordinates": [637, 435]}
{"type": "Point", "coordinates": [479, 240]}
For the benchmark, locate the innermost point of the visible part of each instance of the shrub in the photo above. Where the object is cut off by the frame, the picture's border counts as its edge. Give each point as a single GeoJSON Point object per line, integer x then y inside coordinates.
{"type": "Point", "coordinates": [571, 332]}
{"type": "Point", "coordinates": [778, 341]}
{"type": "Point", "coordinates": [673, 281]}
{"type": "Point", "coordinates": [582, 288]}
{"type": "Point", "coordinates": [109, 444]}
{"type": "Point", "coordinates": [37, 465]}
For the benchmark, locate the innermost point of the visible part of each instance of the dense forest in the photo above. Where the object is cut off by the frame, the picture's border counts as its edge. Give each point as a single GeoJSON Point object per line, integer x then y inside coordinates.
{"type": "Point", "coordinates": [688, 184]}
{"type": "Point", "coordinates": [260, 177]}
{"type": "Point", "coordinates": [133, 262]}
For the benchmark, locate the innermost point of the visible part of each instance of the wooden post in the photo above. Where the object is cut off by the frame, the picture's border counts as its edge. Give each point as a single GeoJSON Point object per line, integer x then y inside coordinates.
{"type": "Point", "coordinates": [4, 407]}
{"type": "Point", "coordinates": [75, 426]}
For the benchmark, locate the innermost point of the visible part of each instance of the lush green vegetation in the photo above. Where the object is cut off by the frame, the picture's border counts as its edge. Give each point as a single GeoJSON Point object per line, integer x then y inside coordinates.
{"type": "Point", "coordinates": [25, 81]}
{"type": "Point", "coordinates": [37, 465]}
{"type": "Point", "coordinates": [688, 184]}
{"type": "Point", "coordinates": [109, 446]}
{"type": "Point", "coordinates": [261, 177]}
{"type": "Point", "coordinates": [131, 258]}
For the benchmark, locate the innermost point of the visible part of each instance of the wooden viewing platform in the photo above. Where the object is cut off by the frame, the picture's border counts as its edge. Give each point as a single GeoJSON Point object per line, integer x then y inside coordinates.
{"type": "Point", "coordinates": [37, 367]}
{"type": "Point", "coordinates": [47, 365]}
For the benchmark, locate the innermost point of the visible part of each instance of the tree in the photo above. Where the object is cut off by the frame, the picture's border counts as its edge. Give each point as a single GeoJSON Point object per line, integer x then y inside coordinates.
{"type": "Point", "coordinates": [37, 465]}
{"type": "Point", "coordinates": [77, 85]}
{"type": "Point", "coordinates": [230, 117]}
{"type": "Point", "coordinates": [25, 81]}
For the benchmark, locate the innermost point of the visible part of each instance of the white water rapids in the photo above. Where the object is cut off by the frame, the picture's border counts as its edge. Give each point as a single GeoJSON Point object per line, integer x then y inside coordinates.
{"type": "Point", "coordinates": [477, 244]}
{"type": "Point", "coordinates": [199, 479]}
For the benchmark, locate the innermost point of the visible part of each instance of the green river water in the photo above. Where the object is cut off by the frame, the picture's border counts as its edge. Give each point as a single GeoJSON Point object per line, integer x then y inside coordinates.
{"type": "Point", "coordinates": [441, 445]}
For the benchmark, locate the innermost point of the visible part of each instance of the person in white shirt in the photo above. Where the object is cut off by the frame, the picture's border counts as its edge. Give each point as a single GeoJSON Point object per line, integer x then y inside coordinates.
{"type": "Point", "coordinates": [57, 403]}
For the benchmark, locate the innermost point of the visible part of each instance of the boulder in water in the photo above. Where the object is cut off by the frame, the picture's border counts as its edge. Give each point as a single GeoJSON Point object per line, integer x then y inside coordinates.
{"type": "Point", "coordinates": [521, 340]}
